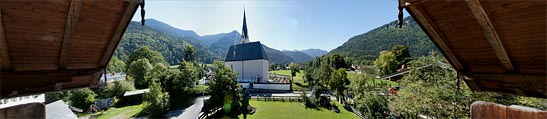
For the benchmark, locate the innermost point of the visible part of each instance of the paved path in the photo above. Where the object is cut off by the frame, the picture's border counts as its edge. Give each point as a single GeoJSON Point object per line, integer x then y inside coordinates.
{"type": "Point", "coordinates": [191, 112]}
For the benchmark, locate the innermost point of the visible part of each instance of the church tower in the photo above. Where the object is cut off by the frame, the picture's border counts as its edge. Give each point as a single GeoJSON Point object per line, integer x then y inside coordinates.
{"type": "Point", "coordinates": [244, 35]}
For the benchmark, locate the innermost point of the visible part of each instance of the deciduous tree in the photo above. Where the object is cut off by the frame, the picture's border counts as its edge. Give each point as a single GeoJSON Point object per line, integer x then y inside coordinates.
{"type": "Point", "coordinates": [339, 83]}
{"type": "Point", "coordinates": [386, 62]}
{"type": "Point", "coordinates": [139, 70]}
{"type": "Point", "coordinates": [82, 98]}
{"type": "Point", "coordinates": [157, 101]}
{"type": "Point", "coordinates": [225, 90]}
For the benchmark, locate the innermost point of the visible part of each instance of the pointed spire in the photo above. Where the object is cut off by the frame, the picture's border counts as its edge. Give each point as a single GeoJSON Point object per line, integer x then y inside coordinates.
{"type": "Point", "coordinates": [244, 35]}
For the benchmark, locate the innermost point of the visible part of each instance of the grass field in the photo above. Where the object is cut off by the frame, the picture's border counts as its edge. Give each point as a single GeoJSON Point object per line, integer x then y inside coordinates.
{"type": "Point", "coordinates": [119, 113]}
{"type": "Point", "coordinates": [295, 110]}
{"type": "Point", "coordinates": [297, 78]}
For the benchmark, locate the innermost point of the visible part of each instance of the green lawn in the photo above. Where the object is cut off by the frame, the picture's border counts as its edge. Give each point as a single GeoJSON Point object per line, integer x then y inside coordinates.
{"type": "Point", "coordinates": [297, 78]}
{"type": "Point", "coordinates": [120, 113]}
{"type": "Point", "coordinates": [295, 110]}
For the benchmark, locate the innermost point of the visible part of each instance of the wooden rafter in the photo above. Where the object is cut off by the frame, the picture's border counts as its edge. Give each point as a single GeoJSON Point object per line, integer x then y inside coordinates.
{"type": "Point", "coordinates": [18, 81]}
{"type": "Point", "coordinates": [72, 19]}
{"type": "Point", "coordinates": [5, 61]}
{"type": "Point", "coordinates": [432, 30]}
{"type": "Point", "coordinates": [129, 11]}
{"type": "Point", "coordinates": [490, 33]}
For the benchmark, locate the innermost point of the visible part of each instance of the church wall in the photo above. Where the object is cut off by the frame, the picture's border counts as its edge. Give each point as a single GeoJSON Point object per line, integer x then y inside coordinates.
{"type": "Point", "coordinates": [249, 70]}
{"type": "Point", "coordinates": [269, 86]}
{"type": "Point", "coordinates": [236, 67]}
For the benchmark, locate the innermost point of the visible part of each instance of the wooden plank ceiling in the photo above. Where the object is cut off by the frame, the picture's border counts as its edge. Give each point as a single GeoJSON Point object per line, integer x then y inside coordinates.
{"type": "Point", "coordinates": [49, 45]}
{"type": "Point", "coordinates": [495, 45]}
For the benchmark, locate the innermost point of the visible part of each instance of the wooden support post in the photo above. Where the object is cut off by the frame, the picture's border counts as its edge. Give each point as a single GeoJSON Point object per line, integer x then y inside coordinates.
{"type": "Point", "coordinates": [72, 19]}
{"type": "Point", "coordinates": [490, 33]}
{"type": "Point", "coordinates": [124, 21]}
{"type": "Point", "coordinates": [438, 38]}
{"type": "Point", "coordinates": [4, 61]}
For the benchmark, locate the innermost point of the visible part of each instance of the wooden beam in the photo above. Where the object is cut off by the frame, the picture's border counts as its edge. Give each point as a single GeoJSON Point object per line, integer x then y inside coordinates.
{"type": "Point", "coordinates": [5, 61]}
{"type": "Point", "coordinates": [122, 25]}
{"type": "Point", "coordinates": [519, 84]}
{"type": "Point", "coordinates": [430, 28]}
{"type": "Point", "coordinates": [471, 83]}
{"type": "Point", "coordinates": [490, 33]}
{"type": "Point", "coordinates": [72, 19]}
{"type": "Point", "coordinates": [45, 80]}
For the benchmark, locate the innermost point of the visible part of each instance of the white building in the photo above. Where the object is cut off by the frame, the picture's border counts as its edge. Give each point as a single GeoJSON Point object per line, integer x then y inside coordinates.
{"type": "Point", "coordinates": [40, 98]}
{"type": "Point", "coordinates": [250, 62]}
{"type": "Point", "coordinates": [248, 59]}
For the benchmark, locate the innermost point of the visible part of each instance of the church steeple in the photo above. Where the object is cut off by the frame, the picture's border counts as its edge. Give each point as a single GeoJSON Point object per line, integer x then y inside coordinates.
{"type": "Point", "coordinates": [244, 35]}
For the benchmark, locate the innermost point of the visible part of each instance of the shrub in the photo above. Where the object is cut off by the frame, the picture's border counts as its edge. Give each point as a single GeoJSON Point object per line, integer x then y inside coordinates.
{"type": "Point", "coordinates": [82, 98]}
{"type": "Point", "coordinates": [373, 106]}
{"type": "Point", "coordinates": [157, 101]}
{"type": "Point", "coordinates": [52, 97]}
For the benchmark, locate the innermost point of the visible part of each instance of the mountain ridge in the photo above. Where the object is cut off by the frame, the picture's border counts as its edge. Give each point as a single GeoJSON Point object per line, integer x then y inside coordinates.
{"type": "Point", "coordinates": [220, 43]}
{"type": "Point", "coordinates": [364, 48]}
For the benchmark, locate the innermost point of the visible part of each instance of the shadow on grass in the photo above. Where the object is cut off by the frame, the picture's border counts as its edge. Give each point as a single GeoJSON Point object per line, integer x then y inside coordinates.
{"type": "Point", "coordinates": [348, 108]}
{"type": "Point", "coordinates": [300, 85]}
{"type": "Point", "coordinates": [141, 114]}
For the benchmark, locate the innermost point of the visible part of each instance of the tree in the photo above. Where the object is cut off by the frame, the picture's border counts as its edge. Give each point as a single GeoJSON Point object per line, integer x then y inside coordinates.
{"type": "Point", "coordinates": [159, 70]}
{"type": "Point", "coordinates": [153, 57]}
{"type": "Point", "coordinates": [294, 69]}
{"type": "Point", "coordinates": [189, 52]}
{"type": "Point", "coordinates": [157, 101]}
{"type": "Point", "coordinates": [401, 54]}
{"type": "Point", "coordinates": [225, 90]}
{"type": "Point", "coordinates": [139, 70]}
{"type": "Point", "coordinates": [117, 89]}
{"type": "Point", "coordinates": [337, 61]}
{"type": "Point", "coordinates": [339, 83]}
{"type": "Point", "coordinates": [54, 96]}
{"type": "Point", "coordinates": [82, 98]}
{"type": "Point", "coordinates": [367, 99]}
{"type": "Point", "coordinates": [386, 62]}
{"type": "Point", "coordinates": [115, 65]}
{"type": "Point", "coordinates": [180, 83]}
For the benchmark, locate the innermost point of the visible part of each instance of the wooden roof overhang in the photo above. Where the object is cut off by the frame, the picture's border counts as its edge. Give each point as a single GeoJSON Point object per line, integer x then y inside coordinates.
{"type": "Point", "coordinates": [51, 45]}
{"type": "Point", "coordinates": [495, 45]}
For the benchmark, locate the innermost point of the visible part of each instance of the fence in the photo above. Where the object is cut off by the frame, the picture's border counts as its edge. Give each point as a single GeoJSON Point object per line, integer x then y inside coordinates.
{"type": "Point", "coordinates": [357, 112]}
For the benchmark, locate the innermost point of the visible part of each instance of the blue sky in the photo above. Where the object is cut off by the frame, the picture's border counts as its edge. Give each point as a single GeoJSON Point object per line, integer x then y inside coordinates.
{"type": "Point", "coordinates": [280, 24]}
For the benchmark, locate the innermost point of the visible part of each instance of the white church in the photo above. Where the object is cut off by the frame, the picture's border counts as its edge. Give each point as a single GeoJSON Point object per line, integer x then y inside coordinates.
{"type": "Point", "coordinates": [248, 59]}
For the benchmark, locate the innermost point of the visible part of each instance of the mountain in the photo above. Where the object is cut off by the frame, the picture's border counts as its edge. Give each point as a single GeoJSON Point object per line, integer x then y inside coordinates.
{"type": "Point", "coordinates": [367, 46]}
{"type": "Point", "coordinates": [189, 35]}
{"type": "Point", "coordinates": [168, 29]}
{"type": "Point", "coordinates": [220, 43]}
{"type": "Point", "coordinates": [277, 56]}
{"type": "Point", "coordinates": [170, 47]}
{"type": "Point", "coordinates": [298, 56]}
{"type": "Point", "coordinates": [314, 52]}
{"type": "Point", "coordinates": [231, 37]}
{"type": "Point", "coordinates": [165, 38]}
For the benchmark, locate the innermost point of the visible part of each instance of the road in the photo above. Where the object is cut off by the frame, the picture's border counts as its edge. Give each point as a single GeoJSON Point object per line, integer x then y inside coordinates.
{"type": "Point", "coordinates": [191, 112]}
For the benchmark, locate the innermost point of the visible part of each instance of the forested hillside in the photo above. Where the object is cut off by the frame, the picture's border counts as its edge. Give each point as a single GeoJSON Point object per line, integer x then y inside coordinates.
{"type": "Point", "coordinates": [367, 46]}
{"type": "Point", "coordinates": [170, 41]}
{"type": "Point", "coordinates": [314, 52]}
{"type": "Point", "coordinates": [170, 47]}
{"type": "Point", "coordinates": [298, 56]}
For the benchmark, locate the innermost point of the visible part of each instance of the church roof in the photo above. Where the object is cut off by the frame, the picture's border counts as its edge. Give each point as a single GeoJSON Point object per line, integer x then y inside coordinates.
{"type": "Point", "coordinates": [246, 51]}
